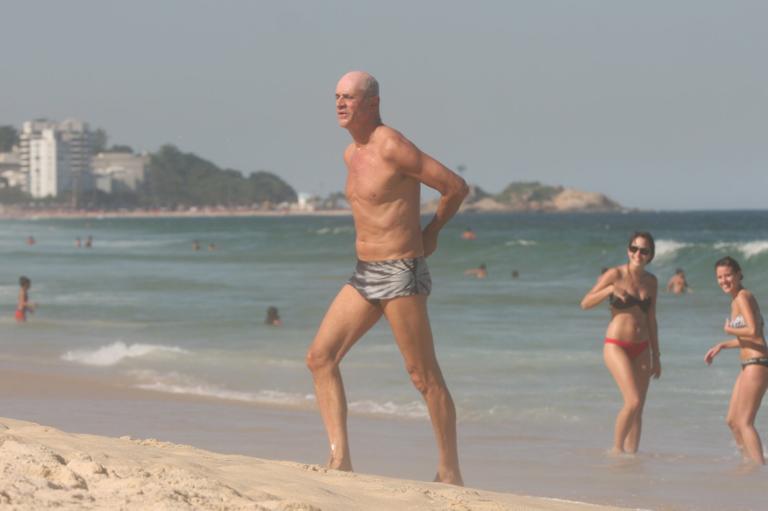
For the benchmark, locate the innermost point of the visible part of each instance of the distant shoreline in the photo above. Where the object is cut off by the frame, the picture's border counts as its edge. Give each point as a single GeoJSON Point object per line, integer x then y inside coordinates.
{"type": "Point", "coordinates": [49, 214]}
{"type": "Point", "coordinates": [52, 214]}
{"type": "Point", "coordinates": [196, 213]}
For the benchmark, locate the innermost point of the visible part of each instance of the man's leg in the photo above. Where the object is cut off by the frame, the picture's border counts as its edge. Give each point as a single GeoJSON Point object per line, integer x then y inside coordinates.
{"type": "Point", "coordinates": [348, 318]}
{"type": "Point", "coordinates": [410, 325]}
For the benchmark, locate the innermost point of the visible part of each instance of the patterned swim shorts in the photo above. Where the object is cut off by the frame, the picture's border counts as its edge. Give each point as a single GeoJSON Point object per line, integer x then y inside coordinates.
{"type": "Point", "coordinates": [383, 280]}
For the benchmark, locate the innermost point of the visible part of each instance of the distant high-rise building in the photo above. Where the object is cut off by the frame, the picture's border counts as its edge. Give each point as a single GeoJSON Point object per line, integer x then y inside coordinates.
{"type": "Point", "coordinates": [56, 156]}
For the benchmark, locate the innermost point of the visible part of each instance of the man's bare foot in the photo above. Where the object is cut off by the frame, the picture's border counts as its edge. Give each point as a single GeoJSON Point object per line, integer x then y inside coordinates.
{"type": "Point", "coordinates": [449, 477]}
{"type": "Point", "coordinates": [343, 464]}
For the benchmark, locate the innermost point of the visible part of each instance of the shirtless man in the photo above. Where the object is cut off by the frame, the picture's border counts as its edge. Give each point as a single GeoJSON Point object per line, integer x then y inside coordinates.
{"type": "Point", "coordinates": [391, 279]}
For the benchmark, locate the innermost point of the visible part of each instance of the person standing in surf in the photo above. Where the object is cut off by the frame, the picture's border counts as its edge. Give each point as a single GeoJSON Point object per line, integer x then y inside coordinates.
{"type": "Point", "coordinates": [385, 172]}
{"type": "Point", "coordinates": [631, 347]}
{"type": "Point", "coordinates": [747, 325]}
{"type": "Point", "coordinates": [23, 305]}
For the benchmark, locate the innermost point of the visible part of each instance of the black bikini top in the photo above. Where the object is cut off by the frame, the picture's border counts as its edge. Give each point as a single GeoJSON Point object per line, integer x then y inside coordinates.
{"type": "Point", "coordinates": [630, 301]}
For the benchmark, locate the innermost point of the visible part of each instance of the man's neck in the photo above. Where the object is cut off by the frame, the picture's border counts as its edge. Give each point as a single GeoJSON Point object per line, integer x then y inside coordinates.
{"type": "Point", "coordinates": [362, 134]}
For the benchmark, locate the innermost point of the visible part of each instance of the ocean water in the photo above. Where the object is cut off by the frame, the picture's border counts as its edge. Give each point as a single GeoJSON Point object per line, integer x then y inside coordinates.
{"type": "Point", "coordinates": [524, 363]}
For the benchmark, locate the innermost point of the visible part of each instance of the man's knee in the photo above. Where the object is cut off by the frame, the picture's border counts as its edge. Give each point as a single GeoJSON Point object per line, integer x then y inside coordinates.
{"type": "Point", "coordinates": [319, 360]}
{"type": "Point", "coordinates": [423, 379]}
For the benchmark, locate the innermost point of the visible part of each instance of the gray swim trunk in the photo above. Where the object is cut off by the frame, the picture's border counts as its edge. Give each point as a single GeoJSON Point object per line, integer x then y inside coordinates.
{"type": "Point", "coordinates": [383, 280]}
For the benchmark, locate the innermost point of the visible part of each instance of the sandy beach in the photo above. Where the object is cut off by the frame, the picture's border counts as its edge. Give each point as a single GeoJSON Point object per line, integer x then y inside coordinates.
{"type": "Point", "coordinates": [45, 468]}
{"type": "Point", "coordinates": [131, 464]}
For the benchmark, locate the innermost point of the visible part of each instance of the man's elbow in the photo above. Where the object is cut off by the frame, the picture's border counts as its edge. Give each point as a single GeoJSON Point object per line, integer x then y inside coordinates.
{"type": "Point", "coordinates": [461, 189]}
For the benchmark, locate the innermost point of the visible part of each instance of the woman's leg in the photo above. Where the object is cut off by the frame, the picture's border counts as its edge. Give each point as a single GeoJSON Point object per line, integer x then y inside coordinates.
{"type": "Point", "coordinates": [733, 410]}
{"type": "Point", "coordinates": [641, 369]}
{"type": "Point", "coordinates": [753, 382]}
{"type": "Point", "coordinates": [618, 363]}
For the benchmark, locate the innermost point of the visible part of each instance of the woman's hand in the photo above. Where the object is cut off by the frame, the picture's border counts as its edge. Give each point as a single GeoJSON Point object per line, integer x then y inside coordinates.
{"type": "Point", "coordinates": [712, 353]}
{"type": "Point", "coordinates": [618, 291]}
{"type": "Point", "coordinates": [656, 369]}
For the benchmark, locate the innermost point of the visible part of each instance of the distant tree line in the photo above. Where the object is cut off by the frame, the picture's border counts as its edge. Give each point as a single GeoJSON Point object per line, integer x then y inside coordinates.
{"type": "Point", "coordinates": [9, 137]}
{"type": "Point", "coordinates": [175, 178]}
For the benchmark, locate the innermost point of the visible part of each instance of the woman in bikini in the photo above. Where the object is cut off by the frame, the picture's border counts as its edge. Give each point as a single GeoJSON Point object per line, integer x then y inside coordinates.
{"type": "Point", "coordinates": [746, 324]}
{"type": "Point", "coordinates": [631, 348]}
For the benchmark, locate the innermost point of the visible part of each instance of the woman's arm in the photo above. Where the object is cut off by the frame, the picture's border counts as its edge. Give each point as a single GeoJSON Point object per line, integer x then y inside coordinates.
{"type": "Point", "coordinates": [601, 290]}
{"type": "Point", "coordinates": [653, 330]}
{"type": "Point", "coordinates": [714, 350]}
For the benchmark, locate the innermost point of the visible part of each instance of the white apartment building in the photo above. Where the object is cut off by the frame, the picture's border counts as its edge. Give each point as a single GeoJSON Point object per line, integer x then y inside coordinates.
{"type": "Point", "coordinates": [55, 156]}
{"type": "Point", "coordinates": [115, 171]}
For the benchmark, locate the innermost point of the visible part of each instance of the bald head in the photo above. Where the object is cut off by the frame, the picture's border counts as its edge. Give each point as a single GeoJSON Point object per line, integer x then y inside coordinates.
{"type": "Point", "coordinates": [357, 101]}
{"type": "Point", "coordinates": [363, 82]}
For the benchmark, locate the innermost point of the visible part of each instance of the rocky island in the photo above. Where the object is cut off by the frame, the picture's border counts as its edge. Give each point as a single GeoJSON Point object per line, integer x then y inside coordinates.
{"type": "Point", "coordinates": [533, 196]}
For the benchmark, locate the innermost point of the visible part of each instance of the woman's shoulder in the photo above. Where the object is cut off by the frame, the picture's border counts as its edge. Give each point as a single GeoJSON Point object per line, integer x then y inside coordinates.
{"type": "Point", "coordinates": [745, 298]}
{"type": "Point", "coordinates": [612, 274]}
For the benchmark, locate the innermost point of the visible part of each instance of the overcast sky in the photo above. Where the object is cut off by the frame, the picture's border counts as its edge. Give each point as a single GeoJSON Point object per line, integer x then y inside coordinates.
{"type": "Point", "coordinates": [658, 104]}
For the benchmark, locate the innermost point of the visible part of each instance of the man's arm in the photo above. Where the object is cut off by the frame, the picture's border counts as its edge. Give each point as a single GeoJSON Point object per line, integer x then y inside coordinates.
{"type": "Point", "coordinates": [407, 158]}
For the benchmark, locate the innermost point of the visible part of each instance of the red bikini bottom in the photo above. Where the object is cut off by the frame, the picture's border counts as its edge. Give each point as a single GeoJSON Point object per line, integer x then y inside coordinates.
{"type": "Point", "coordinates": [633, 349]}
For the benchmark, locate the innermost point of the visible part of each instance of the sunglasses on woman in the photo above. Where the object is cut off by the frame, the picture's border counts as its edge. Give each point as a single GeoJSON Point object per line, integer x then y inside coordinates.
{"type": "Point", "coordinates": [643, 251]}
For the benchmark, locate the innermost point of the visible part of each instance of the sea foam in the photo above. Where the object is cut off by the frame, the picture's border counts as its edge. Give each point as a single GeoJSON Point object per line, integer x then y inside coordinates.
{"type": "Point", "coordinates": [115, 353]}
{"type": "Point", "coordinates": [272, 397]}
{"type": "Point", "coordinates": [668, 248]}
{"type": "Point", "coordinates": [521, 243]}
{"type": "Point", "coordinates": [176, 383]}
{"type": "Point", "coordinates": [748, 249]}
{"type": "Point", "coordinates": [334, 230]}
{"type": "Point", "coordinates": [412, 410]}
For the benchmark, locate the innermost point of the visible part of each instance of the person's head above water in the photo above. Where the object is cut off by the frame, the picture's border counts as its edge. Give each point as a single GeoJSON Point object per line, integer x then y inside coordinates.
{"type": "Point", "coordinates": [273, 316]}
{"type": "Point", "coordinates": [24, 282]}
